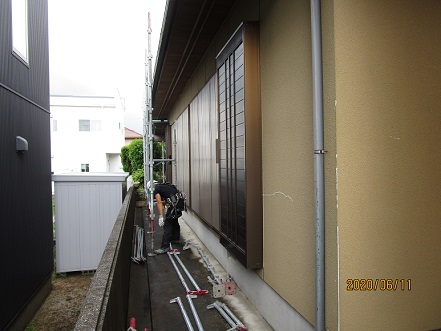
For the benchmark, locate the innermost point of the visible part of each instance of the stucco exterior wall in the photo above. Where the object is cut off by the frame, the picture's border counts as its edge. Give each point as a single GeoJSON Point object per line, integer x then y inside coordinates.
{"type": "Point", "coordinates": [388, 133]}
{"type": "Point", "coordinates": [288, 175]}
{"type": "Point", "coordinates": [382, 136]}
{"type": "Point", "coordinates": [287, 141]}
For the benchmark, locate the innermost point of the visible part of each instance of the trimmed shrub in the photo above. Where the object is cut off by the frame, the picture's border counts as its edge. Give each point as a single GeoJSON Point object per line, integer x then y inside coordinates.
{"type": "Point", "coordinates": [125, 160]}
{"type": "Point", "coordinates": [138, 176]}
{"type": "Point", "coordinates": [136, 155]}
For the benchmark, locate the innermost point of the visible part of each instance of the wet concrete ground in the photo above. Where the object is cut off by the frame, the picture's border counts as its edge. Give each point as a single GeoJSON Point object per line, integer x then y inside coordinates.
{"type": "Point", "coordinates": [154, 283]}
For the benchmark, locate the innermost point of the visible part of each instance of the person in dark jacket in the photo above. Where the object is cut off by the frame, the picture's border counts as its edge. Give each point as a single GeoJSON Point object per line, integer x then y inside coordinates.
{"type": "Point", "coordinates": [172, 230]}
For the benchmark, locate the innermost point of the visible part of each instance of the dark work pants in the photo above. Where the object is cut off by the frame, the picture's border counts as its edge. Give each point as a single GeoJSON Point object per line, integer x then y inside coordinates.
{"type": "Point", "coordinates": [172, 231]}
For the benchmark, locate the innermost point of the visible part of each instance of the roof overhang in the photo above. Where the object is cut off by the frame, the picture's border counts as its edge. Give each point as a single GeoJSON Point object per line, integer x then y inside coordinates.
{"type": "Point", "coordinates": [188, 29]}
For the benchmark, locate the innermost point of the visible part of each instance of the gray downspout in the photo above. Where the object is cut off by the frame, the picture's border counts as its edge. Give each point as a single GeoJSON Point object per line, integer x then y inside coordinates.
{"type": "Point", "coordinates": [319, 188]}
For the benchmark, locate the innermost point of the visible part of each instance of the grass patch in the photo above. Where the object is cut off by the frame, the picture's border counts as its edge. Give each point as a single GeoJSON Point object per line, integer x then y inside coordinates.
{"type": "Point", "coordinates": [30, 327]}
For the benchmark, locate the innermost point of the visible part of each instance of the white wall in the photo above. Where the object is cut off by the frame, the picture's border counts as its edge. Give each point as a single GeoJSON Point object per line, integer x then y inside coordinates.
{"type": "Point", "coordinates": [86, 208]}
{"type": "Point", "coordinates": [100, 147]}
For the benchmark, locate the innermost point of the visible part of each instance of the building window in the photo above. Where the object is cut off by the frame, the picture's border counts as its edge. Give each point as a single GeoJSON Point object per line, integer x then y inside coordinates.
{"type": "Point", "coordinates": [89, 125]}
{"type": "Point", "coordinates": [240, 165]}
{"type": "Point", "coordinates": [95, 125]}
{"type": "Point", "coordinates": [54, 125]}
{"type": "Point", "coordinates": [20, 29]}
{"type": "Point", "coordinates": [85, 167]}
{"type": "Point", "coordinates": [84, 125]}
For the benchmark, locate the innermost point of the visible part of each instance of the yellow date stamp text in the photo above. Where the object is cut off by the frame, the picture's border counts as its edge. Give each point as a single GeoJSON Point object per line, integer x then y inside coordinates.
{"type": "Point", "coordinates": [378, 284]}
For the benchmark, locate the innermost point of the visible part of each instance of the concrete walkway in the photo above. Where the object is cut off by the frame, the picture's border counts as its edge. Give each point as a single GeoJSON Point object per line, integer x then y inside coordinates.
{"type": "Point", "coordinates": [154, 283]}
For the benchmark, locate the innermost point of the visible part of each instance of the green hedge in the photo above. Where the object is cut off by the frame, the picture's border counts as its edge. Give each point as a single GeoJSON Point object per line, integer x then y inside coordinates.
{"type": "Point", "coordinates": [136, 154]}
{"type": "Point", "coordinates": [132, 159]}
{"type": "Point", "coordinates": [125, 160]}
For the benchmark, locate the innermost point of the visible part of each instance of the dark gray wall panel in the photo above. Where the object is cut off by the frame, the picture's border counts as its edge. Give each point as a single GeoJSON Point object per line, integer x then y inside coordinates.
{"type": "Point", "coordinates": [204, 167]}
{"type": "Point", "coordinates": [26, 237]}
{"type": "Point", "coordinates": [181, 173]}
{"type": "Point", "coordinates": [214, 159]}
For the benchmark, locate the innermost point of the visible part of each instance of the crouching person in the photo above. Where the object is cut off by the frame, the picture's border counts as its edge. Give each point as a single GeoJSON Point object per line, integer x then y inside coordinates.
{"type": "Point", "coordinates": [167, 194]}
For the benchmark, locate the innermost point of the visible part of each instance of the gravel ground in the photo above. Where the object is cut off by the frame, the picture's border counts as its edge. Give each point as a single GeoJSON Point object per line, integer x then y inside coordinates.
{"type": "Point", "coordinates": [62, 307]}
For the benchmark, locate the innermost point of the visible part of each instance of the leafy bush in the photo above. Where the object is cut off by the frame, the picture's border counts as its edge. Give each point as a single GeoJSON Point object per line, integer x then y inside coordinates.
{"type": "Point", "coordinates": [125, 160]}
{"type": "Point", "coordinates": [138, 176]}
{"type": "Point", "coordinates": [157, 150]}
{"type": "Point", "coordinates": [132, 159]}
{"type": "Point", "coordinates": [136, 155]}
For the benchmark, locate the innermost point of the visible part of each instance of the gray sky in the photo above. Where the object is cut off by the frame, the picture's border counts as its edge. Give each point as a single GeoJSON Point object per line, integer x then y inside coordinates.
{"type": "Point", "coordinates": [98, 45]}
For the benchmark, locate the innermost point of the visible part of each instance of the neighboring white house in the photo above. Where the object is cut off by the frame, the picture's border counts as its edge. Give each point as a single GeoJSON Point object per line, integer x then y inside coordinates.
{"type": "Point", "coordinates": [87, 133]}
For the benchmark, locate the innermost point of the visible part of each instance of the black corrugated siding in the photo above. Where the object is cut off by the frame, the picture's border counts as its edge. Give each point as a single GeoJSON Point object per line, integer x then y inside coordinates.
{"type": "Point", "coordinates": [26, 243]}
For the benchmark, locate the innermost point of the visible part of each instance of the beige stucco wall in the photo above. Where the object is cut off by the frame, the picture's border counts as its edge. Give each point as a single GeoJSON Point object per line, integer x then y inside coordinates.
{"type": "Point", "coordinates": [289, 261]}
{"type": "Point", "coordinates": [388, 129]}
{"type": "Point", "coordinates": [382, 99]}
{"type": "Point", "coordinates": [287, 141]}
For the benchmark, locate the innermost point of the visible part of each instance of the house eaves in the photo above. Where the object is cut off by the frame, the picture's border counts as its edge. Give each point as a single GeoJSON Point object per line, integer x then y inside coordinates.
{"type": "Point", "coordinates": [188, 29]}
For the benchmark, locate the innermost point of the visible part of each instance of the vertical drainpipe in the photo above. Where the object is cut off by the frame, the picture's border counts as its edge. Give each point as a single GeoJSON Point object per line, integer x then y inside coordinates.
{"type": "Point", "coordinates": [319, 188]}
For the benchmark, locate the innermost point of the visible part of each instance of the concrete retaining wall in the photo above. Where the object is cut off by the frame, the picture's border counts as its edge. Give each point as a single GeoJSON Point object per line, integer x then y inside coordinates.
{"type": "Point", "coordinates": [105, 307]}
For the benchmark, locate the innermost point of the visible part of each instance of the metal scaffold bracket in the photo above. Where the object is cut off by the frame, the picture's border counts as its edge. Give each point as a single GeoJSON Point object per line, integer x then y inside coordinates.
{"type": "Point", "coordinates": [228, 315]}
{"type": "Point", "coordinates": [230, 287]}
{"type": "Point", "coordinates": [138, 245]}
{"type": "Point", "coordinates": [218, 289]}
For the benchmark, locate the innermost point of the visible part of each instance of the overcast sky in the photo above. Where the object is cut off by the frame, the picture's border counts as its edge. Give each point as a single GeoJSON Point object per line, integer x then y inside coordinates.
{"type": "Point", "coordinates": [98, 45]}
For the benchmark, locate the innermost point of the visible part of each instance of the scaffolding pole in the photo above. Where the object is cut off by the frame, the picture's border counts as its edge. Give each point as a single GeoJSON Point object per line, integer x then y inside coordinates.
{"type": "Point", "coordinates": [148, 140]}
